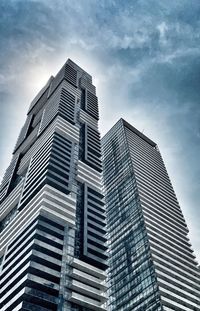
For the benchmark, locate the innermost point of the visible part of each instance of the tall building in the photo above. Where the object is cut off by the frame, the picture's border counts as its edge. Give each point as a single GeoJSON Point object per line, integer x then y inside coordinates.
{"type": "Point", "coordinates": [151, 264]}
{"type": "Point", "coordinates": [52, 216]}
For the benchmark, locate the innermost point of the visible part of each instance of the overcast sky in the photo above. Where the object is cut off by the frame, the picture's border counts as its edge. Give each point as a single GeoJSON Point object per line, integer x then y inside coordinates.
{"type": "Point", "coordinates": [144, 56]}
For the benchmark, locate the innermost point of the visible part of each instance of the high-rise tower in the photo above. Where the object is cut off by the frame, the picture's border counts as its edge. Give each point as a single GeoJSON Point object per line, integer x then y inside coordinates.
{"type": "Point", "coordinates": [152, 265]}
{"type": "Point", "coordinates": [52, 219]}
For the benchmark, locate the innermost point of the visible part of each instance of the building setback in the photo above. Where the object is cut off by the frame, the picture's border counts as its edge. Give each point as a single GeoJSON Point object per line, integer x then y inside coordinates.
{"type": "Point", "coordinates": [151, 264]}
{"type": "Point", "coordinates": [52, 215]}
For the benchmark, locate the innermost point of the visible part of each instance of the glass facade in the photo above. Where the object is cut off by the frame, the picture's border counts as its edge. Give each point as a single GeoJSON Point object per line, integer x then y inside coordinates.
{"type": "Point", "coordinates": [147, 234]}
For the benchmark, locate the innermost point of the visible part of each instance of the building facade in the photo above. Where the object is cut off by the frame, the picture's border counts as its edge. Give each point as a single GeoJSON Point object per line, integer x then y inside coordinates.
{"type": "Point", "coordinates": [151, 264]}
{"type": "Point", "coordinates": [52, 218]}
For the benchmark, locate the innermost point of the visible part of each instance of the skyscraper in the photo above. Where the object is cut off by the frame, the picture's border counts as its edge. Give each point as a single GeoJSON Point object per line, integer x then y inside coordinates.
{"type": "Point", "coordinates": [52, 218]}
{"type": "Point", "coordinates": [151, 264]}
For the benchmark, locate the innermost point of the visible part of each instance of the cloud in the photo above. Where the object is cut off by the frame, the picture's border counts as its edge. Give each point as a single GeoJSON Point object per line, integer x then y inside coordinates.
{"type": "Point", "coordinates": [144, 56]}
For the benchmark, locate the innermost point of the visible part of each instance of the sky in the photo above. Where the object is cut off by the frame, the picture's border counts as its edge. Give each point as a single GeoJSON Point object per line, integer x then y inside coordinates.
{"type": "Point", "coordinates": [144, 59]}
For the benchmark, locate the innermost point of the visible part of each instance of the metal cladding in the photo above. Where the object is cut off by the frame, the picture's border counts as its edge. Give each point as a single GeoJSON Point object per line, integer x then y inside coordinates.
{"type": "Point", "coordinates": [53, 251]}
{"type": "Point", "coordinates": [151, 264]}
